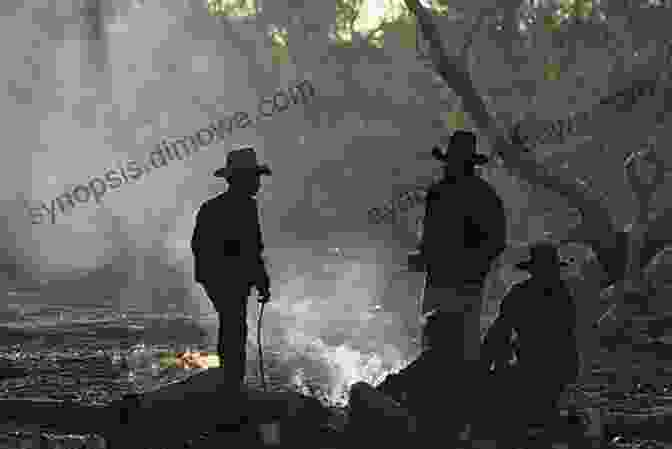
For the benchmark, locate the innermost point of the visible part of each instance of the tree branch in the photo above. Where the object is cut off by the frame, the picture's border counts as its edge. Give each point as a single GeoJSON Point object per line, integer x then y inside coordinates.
{"type": "Point", "coordinates": [468, 41]}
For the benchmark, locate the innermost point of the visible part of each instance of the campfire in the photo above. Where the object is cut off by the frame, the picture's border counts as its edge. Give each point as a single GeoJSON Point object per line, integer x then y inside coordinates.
{"type": "Point", "coordinates": [191, 360]}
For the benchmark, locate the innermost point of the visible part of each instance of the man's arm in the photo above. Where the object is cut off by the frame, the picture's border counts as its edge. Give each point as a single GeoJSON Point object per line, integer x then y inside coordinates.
{"type": "Point", "coordinates": [197, 237]}
{"type": "Point", "coordinates": [261, 279]}
{"type": "Point", "coordinates": [493, 223]}
{"type": "Point", "coordinates": [496, 345]}
{"type": "Point", "coordinates": [429, 224]}
{"type": "Point", "coordinates": [486, 227]}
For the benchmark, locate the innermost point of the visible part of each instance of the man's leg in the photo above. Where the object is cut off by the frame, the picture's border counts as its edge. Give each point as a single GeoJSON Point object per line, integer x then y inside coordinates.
{"type": "Point", "coordinates": [451, 392]}
{"type": "Point", "coordinates": [214, 294]}
{"type": "Point", "coordinates": [473, 377]}
{"type": "Point", "coordinates": [242, 340]}
{"type": "Point", "coordinates": [220, 338]}
{"type": "Point", "coordinates": [234, 341]}
{"type": "Point", "coordinates": [231, 307]}
{"type": "Point", "coordinates": [460, 311]}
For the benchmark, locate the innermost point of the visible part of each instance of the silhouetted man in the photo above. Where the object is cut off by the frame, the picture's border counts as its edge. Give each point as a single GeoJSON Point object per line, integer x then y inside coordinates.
{"type": "Point", "coordinates": [464, 232]}
{"type": "Point", "coordinates": [542, 313]}
{"type": "Point", "coordinates": [227, 247]}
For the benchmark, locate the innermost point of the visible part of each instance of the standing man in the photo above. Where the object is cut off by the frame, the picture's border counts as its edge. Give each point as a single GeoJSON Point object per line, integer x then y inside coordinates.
{"type": "Point", "coordinates": [227, 247]}
{"type": "Point", "coordinates": [464, 232]}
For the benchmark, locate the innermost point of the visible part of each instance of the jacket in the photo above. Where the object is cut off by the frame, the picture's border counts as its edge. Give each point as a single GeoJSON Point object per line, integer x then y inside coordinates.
{"type": "Point", "coordinates": [464, 231]}
{"type": "Point", "coordinates": [543, 315]}
{"type": "Point", "coordinates": [227, 241]}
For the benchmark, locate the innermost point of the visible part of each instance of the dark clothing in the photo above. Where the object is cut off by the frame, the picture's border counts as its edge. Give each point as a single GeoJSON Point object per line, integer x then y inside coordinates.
{"type": "Point", "coordinates": [542, 313]}
{"type": "Point", "coordinates": [464, 231]}
{"type": "Point", "coordinates": [231, 309]}
{"type": "Point", "coordinates": [511, 401]}
{"type": "Point", "coordinates": [227, 246]}
{"type": "Point", "coordinates": [227, 241]}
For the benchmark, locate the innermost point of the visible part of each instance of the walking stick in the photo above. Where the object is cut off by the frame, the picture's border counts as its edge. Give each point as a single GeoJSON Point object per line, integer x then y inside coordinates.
{"type": "Point", "coordinates": [261, 352]}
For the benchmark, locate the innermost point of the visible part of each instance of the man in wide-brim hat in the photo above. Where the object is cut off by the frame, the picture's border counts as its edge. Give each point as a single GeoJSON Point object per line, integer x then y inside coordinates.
{"type": "Point", "coordinates": [464, 232]}
{"type": "Point", "coordinates": [544, 258]}
{"type": "Point", "coordinates": [242, 160]}
{"type": "Point", "coordinates": [542, 313]}
{"type": "Point", "coordinates": [227, 247]}
{"type": "Point", "coordinates": [460, 148]}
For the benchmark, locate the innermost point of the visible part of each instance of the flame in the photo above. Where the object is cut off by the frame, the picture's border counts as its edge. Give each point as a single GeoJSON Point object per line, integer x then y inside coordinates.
{"type": "Point", "coordinates": [193, 360]}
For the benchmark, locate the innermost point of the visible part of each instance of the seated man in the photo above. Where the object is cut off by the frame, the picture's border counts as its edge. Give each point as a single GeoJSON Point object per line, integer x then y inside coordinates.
{"type": "Point", "coordinates": [541, 312]}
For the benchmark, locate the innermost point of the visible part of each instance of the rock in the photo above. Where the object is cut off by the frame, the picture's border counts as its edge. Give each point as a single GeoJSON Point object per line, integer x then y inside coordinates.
{"type": "Point", "coordinates": [378, 418]}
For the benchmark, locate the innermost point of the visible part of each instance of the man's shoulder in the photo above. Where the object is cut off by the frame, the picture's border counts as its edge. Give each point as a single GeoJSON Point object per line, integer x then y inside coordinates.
{"type": "Point", "coordinates": [212, 203]}
{"type": "Point", "coordinates": [485, 187]}
{"type": "Point", "coordinates": [521, 288]}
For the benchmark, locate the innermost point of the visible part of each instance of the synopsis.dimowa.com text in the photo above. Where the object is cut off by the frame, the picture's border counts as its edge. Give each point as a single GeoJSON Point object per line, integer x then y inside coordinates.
{"type": "Point", "coordinates": [165, 151]}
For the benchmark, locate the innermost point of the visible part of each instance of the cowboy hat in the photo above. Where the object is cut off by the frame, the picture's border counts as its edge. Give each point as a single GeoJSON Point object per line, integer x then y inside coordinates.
{"type": "Point", "coordinates": [461, 146]}
{"type": "Point", "coordinates": [542, 256]}
{"type": "Point", "coordinates": [244, 158]}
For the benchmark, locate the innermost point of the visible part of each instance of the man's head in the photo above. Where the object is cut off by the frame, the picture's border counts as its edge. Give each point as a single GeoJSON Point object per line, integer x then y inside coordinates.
{"type": "Point", "coordinates": [247, 183]}
{"type": "Point", "coordinates": [544, 260]}
{"type": "Point", "coordinates": [460, 157]}
{"type": "Point", "coordinates": [242, 171]}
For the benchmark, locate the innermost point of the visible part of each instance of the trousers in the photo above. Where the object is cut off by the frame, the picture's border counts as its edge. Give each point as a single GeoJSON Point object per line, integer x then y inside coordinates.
{"type": "Point", "coordinates": [464, 302]}
{"type": "Point", "coordinates": [231, 306]}
{"type": "Point", "coordinates": [459, 309]}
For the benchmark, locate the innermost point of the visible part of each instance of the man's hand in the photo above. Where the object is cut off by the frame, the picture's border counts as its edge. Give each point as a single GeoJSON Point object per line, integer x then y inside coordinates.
{"type": "Point", "coordinates": [264, 296]}
{"type": "Point", "coordinates": [416, 261]}
{"type": "Point", "coordinates": [263, 287]}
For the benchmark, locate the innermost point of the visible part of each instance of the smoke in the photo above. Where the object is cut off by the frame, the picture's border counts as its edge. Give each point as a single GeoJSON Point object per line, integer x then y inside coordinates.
{"type": "Point", "coordinates": [73, 123]}
{"type": "Point", "coordinates": [338, 337]}
{"type": "Point", "coordinates": [164, 76]}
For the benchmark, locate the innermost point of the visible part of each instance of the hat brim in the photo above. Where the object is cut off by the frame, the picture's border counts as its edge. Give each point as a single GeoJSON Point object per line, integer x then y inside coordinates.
{"type": "Point", "coordinates": [527, 265]}
{"type": "Point", "coordinates": [225, 172]}
{"type": "Point", "coordinates": [475, 158]}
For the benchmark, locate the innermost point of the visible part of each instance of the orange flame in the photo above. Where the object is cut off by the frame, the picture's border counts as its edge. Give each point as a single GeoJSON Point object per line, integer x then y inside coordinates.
{"type": "Point", "coordinates": [200, 360]}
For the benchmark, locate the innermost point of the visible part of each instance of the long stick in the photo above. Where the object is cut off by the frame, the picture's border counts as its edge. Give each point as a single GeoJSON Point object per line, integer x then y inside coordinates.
{"type": "Point", "coordinates": [261, 352]}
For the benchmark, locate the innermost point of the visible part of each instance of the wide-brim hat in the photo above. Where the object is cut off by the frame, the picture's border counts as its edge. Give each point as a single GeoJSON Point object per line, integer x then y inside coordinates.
{"type": "Point", "coordinates": [543, 256]}
{"type": "Point", "coordinates": [461, 147]}
{"type": "Point", "coordinates": [242, 159]}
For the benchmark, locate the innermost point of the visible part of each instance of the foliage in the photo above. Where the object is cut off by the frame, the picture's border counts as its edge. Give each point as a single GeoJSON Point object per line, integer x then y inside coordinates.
{"type": "Point", "coordinates": [280, 52]}
{"type": "Point", "coordinates": [232, 8]}
{"type": "Point", "coordinates": [349, 19]}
